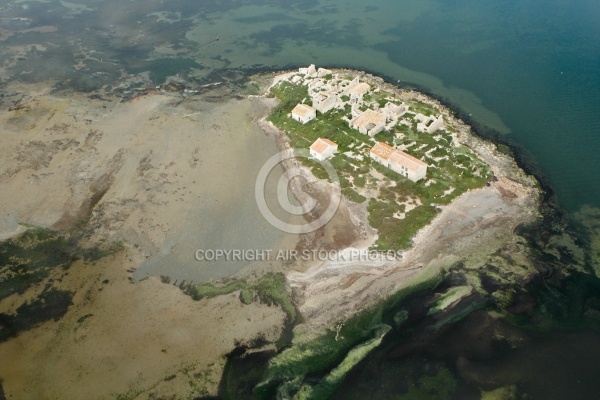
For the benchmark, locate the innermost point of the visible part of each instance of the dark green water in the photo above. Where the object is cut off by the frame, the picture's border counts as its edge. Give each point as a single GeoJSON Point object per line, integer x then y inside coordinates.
{"type": "Point", "coordinates": [529, 68]}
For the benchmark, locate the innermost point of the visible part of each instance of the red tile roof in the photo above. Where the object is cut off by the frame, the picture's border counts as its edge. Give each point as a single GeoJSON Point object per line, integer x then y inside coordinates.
{"type": "Point", "coordinates": [382, 150]}
{"type": "Point", "coordinates": [387, 152]}
{"type": "Point", "coordinates": [321, 144]}
{"type": "Point", "coordinates": [410, 162]}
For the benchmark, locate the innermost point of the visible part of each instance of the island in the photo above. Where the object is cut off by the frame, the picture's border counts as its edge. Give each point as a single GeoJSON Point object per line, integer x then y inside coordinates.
{"type": "Point", "coordinates": [120, 188]}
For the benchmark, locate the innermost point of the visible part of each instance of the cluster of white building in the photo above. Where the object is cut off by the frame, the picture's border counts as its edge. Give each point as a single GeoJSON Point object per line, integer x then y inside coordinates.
{"type": "Point", "coordinates": [327, 92]}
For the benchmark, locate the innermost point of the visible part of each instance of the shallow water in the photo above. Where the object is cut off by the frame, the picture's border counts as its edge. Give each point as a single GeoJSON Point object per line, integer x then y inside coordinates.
{"type": "Point", "coordinates": [479, 354]}
{"type": "Point", "coordinates": [226, 217]}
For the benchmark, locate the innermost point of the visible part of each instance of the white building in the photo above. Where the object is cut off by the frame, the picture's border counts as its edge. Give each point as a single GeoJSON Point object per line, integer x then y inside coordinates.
{"type": "Point", "coordinates": [322, 72]}
{"type": "Point", "coordinates": [323, 149]}
{"type": "Point", "coordinates": [393, 110]}
{"type": "Point", "coordinates": [324, 102]}
{"type": "Point", "coordinates": [304, 113]}
{"type": "Point", "coordinates": [357, 91]}
{"type": "Point", "coordinates": [399, 161]}
{"type": "Point", "coordinates": [429, 124]}
{"type": "Point", "coordinates": [309, 71]}
{"type": "Point", "coordinates": [369, 123]}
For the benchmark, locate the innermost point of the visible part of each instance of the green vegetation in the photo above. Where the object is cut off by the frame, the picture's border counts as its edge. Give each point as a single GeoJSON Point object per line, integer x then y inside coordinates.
{"type": "Point", "coordinates": [310, 356]}
{"type": "Point", "coordinates": [246, 296]}
{"type": "Point", "coordinates": [453, 169]}
{"type": "Point", "coordinates": [209, 290]}
{"type": "Point", "coordinates": [326, 387]}
{"type": "Point", "coordinates": [353, 196]}
{"type": "Point", "coordinates": [30, 258]}
{"type": "Point", "coordinates": [397, 233]}
{"type": "Point", "coordinates": [450, 297]}
{"type": "Point", "coordinates": [270, 288]}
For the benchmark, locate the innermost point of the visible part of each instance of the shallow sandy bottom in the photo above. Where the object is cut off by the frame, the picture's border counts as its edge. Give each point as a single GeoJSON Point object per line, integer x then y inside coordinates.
{"type": "Point", "coordinates": [131, 338]}
{"type": "Point", "coordinates": [165, 177]}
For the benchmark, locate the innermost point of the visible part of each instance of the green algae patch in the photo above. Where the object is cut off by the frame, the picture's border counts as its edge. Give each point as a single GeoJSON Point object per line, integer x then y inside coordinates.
{"type": "Point", "coordinates": [334, 353]}
{"type": "Point", "coordinates": [31, 264]}
{"type": "Point", "coordinates": [270, 288]}
{"type": "Point", "coordinates": [502, 393]}
{"type": "Point", "coordinates": [440, 386]}
{"type": "Point", "coordinates": [452, 296]}
{"type": "Point", "coordinates": [327, 386]}
{"type": "Point", "coordinates": [309, 356]}
{"type": "Point", "coordinates": [589, 219]}
{"type": "Point", "coordinates": [31, 258]}
{"type": "Point", "coordinates": [210, 290]}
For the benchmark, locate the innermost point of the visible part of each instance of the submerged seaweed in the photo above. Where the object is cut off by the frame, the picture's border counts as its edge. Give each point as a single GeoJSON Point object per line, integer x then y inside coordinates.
{"type": "Point", "coordinates": [32, 266]}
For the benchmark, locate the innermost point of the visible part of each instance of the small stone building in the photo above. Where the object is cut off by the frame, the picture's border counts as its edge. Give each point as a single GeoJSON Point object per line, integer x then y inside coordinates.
{"type": "Point", "coordinates": [369, 123]}
{"type": "Point", "coordinates": [357, 92]}
{"type": "Point", "coordinates": [304, 113]}
{"type": "Point", "coordinates": [399, 161]}
{"type": "Point", "coordinates": [323, 149]}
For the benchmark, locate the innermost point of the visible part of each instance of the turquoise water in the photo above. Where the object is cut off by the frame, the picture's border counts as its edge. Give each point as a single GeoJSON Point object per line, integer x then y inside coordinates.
{"type": "Point", "coordinates": [528, 68]}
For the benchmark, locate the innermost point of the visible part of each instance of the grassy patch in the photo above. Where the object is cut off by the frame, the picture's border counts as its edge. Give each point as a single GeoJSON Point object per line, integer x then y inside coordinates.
{"type": "Point", "coordinates": [353, 196]}
{"type": "Point", "coordinates": [397, 233]}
